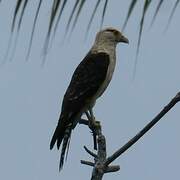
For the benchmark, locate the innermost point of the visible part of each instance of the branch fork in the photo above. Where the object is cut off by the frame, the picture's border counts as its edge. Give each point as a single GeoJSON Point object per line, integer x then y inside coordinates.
{"type": "Point", "coordinates": [101, 164]}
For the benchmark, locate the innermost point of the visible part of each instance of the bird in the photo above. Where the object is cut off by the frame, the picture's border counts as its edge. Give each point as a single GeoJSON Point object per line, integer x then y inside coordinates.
{"type": "Point", "coordinates": [89, 81]}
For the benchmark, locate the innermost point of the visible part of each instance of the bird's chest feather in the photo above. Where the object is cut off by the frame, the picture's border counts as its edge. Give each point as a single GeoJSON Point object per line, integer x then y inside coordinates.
{"type": "Point", "coordinates": [109, 75]}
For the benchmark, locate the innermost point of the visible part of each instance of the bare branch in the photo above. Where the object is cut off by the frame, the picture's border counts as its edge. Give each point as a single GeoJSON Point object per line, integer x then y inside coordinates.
{"type": "Point", "coordinates": [112, 169]}
{"type": "Point", "coordinates": [101, 163]}
{"type": "Point", "coordinates": [144, 130]}
{"type": "Point", "coordinates": [99, 159]}
{"type": "Point", "coordinates": [87, 163]}
{"type": "Point", "coordinates": [90, 152]}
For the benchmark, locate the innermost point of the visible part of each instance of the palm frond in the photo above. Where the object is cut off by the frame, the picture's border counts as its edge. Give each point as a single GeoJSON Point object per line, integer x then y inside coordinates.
{"type": "Point", "coordinates": [18, 4]}
{"type": "Point", "coordinates": [92, 16]}
{"type": "Point", "coordinates": [77, 15]}
{"type": "Point", "coordinates": [145, 8]}
{"type": "Point", "coordinates": [172, 12]}
{"type": "Point", "coordinates": [17, 10]}
{"type": "Point", "coordinates": [130, 10]}
{"type": "Point", "coordinates": [54, 10]}
{"type": "Point", "coordinates": [103, 13]}
{"type": "Point", "coordinates": [33, 29]}
{"type": "Point", "coordinates": [71, 15]}
{"type": "Point", "coordinates": [55, 7]}
{"type": "Point", "coordinates": [22, 13]}
{"type": "Point", "coordinates": [59, 16]}
{"type": "Point", "coordinates": [157, 11]}
{"type": "Point", "coordinates": [57, 10]}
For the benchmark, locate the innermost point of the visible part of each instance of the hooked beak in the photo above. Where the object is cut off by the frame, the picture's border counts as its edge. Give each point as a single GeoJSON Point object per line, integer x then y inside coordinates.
{"type": "Point", "coordinates": [124, 39]}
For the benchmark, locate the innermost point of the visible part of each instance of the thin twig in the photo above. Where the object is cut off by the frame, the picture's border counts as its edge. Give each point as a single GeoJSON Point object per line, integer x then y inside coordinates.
{"type": "Point", "coordinates": [144, 130]}
{"type": "Point", "coordinates": [101, 163]}
{"type": "Point", "coordinates": [99, 168]}
{"type": "Point", "coordinates": [112, 169]}
{"type": "Point", "coordinates": [87, 163]}
{"type": "Point", "coordinates": [90, 152]}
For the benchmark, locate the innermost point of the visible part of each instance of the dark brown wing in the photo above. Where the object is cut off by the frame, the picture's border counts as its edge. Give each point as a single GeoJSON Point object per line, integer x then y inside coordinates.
{"type": "Point", "coordinates": [85, 82]}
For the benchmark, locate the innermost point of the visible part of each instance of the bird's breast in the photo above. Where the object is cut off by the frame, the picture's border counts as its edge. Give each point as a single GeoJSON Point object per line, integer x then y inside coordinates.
{"type": "Point", "coordinates": [109, 75]}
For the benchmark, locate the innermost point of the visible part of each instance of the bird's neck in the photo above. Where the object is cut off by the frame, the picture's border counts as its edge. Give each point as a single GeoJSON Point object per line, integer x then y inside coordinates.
{"type": "Point", "coordinates": [104, 46]}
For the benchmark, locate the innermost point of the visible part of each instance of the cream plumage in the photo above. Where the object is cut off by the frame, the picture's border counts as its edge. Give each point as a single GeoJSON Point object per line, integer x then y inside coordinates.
{"type": "Point", "coordinates": [88, 82]}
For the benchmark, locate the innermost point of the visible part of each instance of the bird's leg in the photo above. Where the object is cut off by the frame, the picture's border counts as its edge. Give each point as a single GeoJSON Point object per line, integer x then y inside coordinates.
{"type": "Point", "coordinates": [88, 115]}
{"type": "Point", "coordinates": [92, 126]}
{"type": "Point", "coordinates": [93, 121]}
{"type": "Point", "coordinates": [90, 118]}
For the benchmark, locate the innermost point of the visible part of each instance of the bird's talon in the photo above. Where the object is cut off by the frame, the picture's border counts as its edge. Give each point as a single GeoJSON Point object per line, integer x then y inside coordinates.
{"type": "Point", "coordinates": [97, 123]}
{"type": "Point", "coordinates": [94, 124]}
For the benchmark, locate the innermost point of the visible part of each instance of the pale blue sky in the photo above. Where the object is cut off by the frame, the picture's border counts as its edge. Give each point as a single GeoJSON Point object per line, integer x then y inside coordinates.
{"type": "Point", "coordinates": [30, 97]}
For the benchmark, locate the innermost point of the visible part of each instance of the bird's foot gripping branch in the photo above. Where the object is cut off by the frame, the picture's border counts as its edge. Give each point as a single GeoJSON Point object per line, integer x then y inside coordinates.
{"type": "Point", "coordinates": [101, 164]}
{"type": "Point", "coordinates": [89, 81]}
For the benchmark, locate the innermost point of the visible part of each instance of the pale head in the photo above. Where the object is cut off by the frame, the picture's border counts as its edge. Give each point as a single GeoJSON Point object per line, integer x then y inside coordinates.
{"type": "Point", "coordinates": [111, 35]}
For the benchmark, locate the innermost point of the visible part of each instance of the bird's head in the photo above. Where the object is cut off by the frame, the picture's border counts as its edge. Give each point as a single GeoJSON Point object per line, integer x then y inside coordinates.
{"type": "Point", "coordinates": [111, 35]}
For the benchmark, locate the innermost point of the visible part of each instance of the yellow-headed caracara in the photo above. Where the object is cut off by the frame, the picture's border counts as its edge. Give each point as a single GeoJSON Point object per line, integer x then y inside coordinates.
{"type": "Point", "coordinates": [89, 81]}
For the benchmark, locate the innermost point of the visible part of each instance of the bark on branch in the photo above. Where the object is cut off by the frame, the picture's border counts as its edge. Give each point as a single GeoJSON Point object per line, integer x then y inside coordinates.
{"type": "Point", "coordinates": [101, 164]}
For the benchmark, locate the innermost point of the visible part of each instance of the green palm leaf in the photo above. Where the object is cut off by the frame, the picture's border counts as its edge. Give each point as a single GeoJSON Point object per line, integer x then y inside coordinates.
{"type": "Point", "coordinates": [130, 10]}
{"type": "Point", "coordinates": [71, 15]}
{"type": "Point", "coordinates": [18, 4]}
{"type": "Point", "coordinates": [59, 16]}
{"type": "Point", "coordinates": [33, 29]}
{"type": "Point", "coordinates": [22, 13]}
{"type": "Point", "coordinates": [92, 16]}
{"type": "Point", "coordinates": [157, 11]}
{"type": "Point", "coordinates": [172, 12]}
{"type": "Point", "coordinates": [77, 15]}
{"type": "Point", "coordinates": [145, 8]}
{"type": "Point", "coordinates": [104, 11]}
{"type": "Point", "coordinates": [57, 10]}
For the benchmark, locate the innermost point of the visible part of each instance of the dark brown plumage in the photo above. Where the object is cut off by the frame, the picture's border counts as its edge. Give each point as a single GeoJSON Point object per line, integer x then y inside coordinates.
{"type": "Point", "coordinates": [89, 81]}
{"type": "Point", "coordinates": [85, 82]}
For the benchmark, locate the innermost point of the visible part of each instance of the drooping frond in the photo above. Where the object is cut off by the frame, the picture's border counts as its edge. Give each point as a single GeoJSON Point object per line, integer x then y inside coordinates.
{"type": "Point", "coordinates": [22, 14]}
{"type": "Point", "coordinates": [130, 10]}
{"type": "Point", "coordinates": [54, 9]}
{"type": "Point", "coordinates": [157, 11]}
{"type": "Point", "coordinates": [71, 15]}
{"type": "Point", "coordinates": [77, 15]}
{"type": "Point", "coordinates": [18, 4]}
{"type": "Point", "coordinates": [59, 15]}
{"type": "Point", "coordinates": [104, 11]}
{"type": "Point", "coordinates": [145, 8]}
{"type": "Point", "coordinates": [57, 9]}
{"type": "Point", "coordinates": [33, 29]}
{"type": "Point", "coordinates": [92, 16]}
{"type": "Point", "coordinates": [172, 12]}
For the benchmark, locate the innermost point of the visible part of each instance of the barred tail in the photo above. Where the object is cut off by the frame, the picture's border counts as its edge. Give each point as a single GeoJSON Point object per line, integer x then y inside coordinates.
{"type": "Point", "coordinates": [95, 141]}
{"type": "Point", "coordinates": [59, 134]}
{"type": "Point", "coordinates": [65, 146]}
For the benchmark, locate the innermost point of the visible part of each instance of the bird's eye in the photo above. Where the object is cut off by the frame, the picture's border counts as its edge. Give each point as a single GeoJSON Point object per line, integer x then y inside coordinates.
{"type": "Point", "coordinates": [116, 33]}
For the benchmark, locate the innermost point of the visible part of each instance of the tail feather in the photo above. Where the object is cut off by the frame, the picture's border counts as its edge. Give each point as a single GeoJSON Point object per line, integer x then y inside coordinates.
{"type": "Point", "coordinates": [65, 146]}
{"type": "Point", "coordinates": [67, 151]}
{"type": "Point", "coordinates": [95, 141]}
{"type": "Point", "coordinates": [58, 135]}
